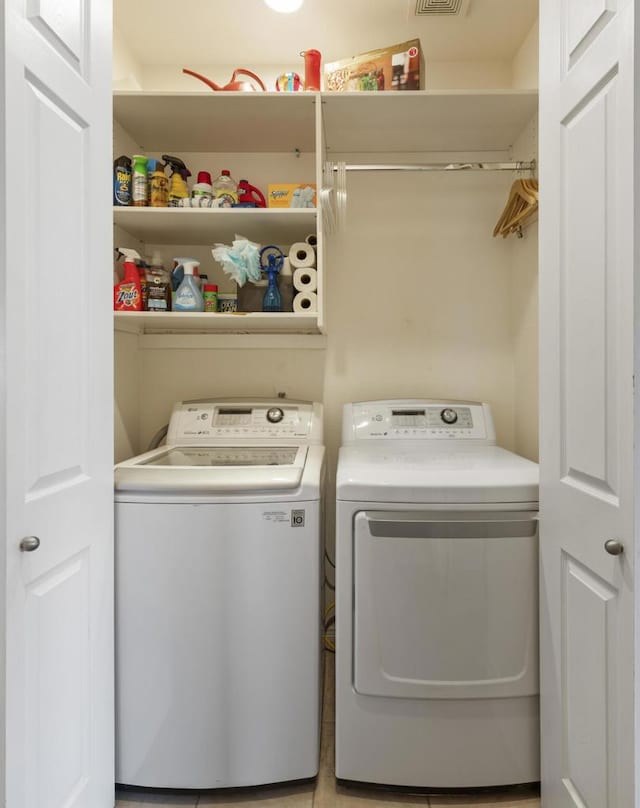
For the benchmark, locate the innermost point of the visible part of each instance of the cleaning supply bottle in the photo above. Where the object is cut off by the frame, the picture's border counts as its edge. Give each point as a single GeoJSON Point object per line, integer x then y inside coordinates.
{"type": "Point", "coordinates": [188, 295]}
{"type": "Point", "coordinates": [122, 180]}
{"type": "Point", "coordinates": [159, 186]}
{"type": "Point", "coordinates": [158, 286]}
{"type": "Point", "coordinates": [249, 196]}
{"type": "Point", "coordinates": [139, 182]}
{"type": "Point", "coordinates": [178, 181]}
{"type": "Point", "coordinates": [151, 167]}
{"type": "Point", "coordinates": [226, 189]}
{"type": "Point", "coordinates": [202, 189]}
{"type": "Point", "coordinates": [210, 296]}
{"type": "Point", "coordinates": [275, 259]}
{"type": "Point", "coordinates": [127, 295]}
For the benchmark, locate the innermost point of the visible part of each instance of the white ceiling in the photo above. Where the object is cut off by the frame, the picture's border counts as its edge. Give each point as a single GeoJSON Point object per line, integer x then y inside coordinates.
{"type": "Point", "coordinates": [245, 32]}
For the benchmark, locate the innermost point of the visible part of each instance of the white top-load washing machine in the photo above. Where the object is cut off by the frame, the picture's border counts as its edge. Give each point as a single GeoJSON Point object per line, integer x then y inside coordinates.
{"type": "Point", "coordinates": [436, 599]}
{"type": "Point", "coordinates": [218, 625]}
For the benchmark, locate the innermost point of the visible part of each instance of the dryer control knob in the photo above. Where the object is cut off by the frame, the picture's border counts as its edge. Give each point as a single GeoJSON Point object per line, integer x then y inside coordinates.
{"type": "Point", "coordinates": [449, 416]}
{"type": "Point", "coordinates": [275, 415]}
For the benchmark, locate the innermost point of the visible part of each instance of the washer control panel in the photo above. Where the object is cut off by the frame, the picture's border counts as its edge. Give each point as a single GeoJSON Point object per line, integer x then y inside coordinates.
{"type": "Point", "coordinates": [417, 420]}
{"type": "Point", "coordinates": [244, 421]}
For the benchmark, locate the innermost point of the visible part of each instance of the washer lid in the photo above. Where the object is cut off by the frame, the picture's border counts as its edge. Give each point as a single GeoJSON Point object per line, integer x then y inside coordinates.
{"type": "Point", "coordinates": [380, 473]}
{"type": "Point", "coordinates": [213, 468]}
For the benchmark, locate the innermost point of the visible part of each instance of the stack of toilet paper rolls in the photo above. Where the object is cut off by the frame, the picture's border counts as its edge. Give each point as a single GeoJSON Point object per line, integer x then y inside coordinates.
{"type": "Point", "coordinates": [302, 257]}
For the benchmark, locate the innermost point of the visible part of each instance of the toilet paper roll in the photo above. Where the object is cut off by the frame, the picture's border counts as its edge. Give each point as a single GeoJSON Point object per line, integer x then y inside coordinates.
{"type": "Point", "coordinates": [305, 302]}
{"type": "Point", "coordinates": [312, 240]}
{"type": "Point", "coordinates": [305, 279]}
{"type": "Point", "coordinates": [302, 254]}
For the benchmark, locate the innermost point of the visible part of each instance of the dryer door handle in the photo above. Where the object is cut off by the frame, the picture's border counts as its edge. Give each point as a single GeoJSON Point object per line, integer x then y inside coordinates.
{"type": "Point", "coordinates": [451, 526]}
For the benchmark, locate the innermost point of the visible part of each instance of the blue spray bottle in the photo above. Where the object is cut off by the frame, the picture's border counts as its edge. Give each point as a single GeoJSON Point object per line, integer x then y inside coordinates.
{"type": "Point", "coordinates": [188, 295]}
{"type": "Point", "coordinates": [271, 262]}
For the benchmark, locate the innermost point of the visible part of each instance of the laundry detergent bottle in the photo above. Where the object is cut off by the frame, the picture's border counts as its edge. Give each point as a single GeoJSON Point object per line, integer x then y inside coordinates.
{"type": "Point", "coordinates": [127, 295]}
{"type": "Point", "coordinates": [188, 295]}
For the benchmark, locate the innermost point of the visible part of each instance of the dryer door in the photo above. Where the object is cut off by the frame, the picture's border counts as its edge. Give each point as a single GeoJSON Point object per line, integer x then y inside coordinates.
{"type": "Point", "coordinates": [446, 604]}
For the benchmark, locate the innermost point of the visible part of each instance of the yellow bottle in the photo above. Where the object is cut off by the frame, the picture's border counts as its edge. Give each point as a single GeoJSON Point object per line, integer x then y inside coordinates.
{"type": "Point", "coordinates": [178, 183]}
{"type": "Point", "coordinates": [159, 191]}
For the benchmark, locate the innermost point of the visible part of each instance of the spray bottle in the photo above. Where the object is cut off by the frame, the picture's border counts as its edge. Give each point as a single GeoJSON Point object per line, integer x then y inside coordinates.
{"type": "Point", "coordinates": [127, 295]}
{"type": "Point", "coordinates": [158, 186]}
{"type": "Point", "coordinates": [139, 183]}
{"type": "Point", "coordinates": [178, 182]}
{"type": "Point", "coordinates": [188, 295]}
{"type": "Point", "coordinates": [275, 260]}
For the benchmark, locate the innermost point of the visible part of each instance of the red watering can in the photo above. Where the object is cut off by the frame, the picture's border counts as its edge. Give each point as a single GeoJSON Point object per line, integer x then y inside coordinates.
{"type": "Point", "coordinates": [235, 84]}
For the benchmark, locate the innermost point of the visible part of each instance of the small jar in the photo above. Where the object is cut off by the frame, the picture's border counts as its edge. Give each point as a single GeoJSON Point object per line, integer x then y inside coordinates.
{"type": "Point", "coordinates": [227, 304]}
{"type": "Point", "coordinates": [210, 296]}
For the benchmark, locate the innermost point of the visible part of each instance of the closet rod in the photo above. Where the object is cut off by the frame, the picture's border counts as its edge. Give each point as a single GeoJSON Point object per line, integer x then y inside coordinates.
{"type": "Point", "coordinates": [513, 166]}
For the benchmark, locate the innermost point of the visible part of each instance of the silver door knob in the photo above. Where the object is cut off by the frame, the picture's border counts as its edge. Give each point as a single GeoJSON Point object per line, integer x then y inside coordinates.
{"type": "Point", "coordinates": [614, 547]}
{"type": "Point", "coordinates": [29, 544]}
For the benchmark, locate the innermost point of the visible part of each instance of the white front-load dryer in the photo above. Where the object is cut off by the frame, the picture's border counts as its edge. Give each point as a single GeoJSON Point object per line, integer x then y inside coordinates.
{"type": "Point", "coordinates": [218, 584]}
{"type": "Point", "coordinates": [436, 599]}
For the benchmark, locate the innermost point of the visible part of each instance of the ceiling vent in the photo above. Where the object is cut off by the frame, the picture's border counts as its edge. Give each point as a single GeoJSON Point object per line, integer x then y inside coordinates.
{"type": "Point", "coordinates": [442, 8]}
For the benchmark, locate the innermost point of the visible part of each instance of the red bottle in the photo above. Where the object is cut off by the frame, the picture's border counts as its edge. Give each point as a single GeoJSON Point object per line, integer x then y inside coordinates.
{"type": "Point", "coordinates": [250, 195]}
{"type": "Point", "coordinates": [127, 295]}
{"type": "Point", "coordinates": [311, 69]}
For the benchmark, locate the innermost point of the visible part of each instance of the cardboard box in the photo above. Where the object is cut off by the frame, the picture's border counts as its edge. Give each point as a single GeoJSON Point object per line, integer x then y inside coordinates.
{"type": "Point", "coordinates": [290, 195]}
{"type": "Point", "coordinates": [398, 67]}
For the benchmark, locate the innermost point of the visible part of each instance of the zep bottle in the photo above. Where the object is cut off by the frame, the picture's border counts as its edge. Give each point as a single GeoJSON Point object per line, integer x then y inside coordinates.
{"type": "Point", "coordinates": [140, 182]}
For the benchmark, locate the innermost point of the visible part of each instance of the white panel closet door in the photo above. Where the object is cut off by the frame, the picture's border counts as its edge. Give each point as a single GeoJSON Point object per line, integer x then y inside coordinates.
{"type": "Point", "coordinates": [587, 426]}
{"type": "Point", "coordinates": [57, 322]}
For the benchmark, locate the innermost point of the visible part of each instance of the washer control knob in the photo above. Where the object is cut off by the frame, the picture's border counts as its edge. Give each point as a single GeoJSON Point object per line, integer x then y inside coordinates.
{"type": "Point", "coordinates": [449, 416]}
{"type": "Point", "coordinates": [275, 415]}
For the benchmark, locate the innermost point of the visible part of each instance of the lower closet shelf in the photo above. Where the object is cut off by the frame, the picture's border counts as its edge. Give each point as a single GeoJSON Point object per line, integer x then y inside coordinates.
{"type": "Point", "coordinates": [145, 322]}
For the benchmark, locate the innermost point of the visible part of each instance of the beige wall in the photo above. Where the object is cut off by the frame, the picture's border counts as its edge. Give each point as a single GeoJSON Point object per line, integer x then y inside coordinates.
{"type": "Point", "coordinates": [125, 68]}
{"type": "Point", "coordinates": [127, 396]}
{"type": "Point", "coordinates": [420, 299]}
{"type": "Point", "coordinates": [417, 304]}
{"type": "Point", "coordinates": [438, 75]}
{"type": "Point", "coordinates": [525, 65]}
{"type": "Point", "coordinates": [470, 75]}
{"type": "Point", "coordinates": [524, 316]}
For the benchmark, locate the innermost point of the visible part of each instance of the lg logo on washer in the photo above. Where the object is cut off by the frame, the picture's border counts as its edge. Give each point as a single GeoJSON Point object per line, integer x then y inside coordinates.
{"type": "Point", "coordinates": [297, 518]}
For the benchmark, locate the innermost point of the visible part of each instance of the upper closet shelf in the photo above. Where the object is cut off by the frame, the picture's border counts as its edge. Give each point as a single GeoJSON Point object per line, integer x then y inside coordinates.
{"type": "Point", "coordinates": [217, 122]}
{"type": "Point", "coordinates": [209, 226]}
{"type": "Point", "coordinates": [426, 121]}
{"type": "Point", "coordinates": [439, 121]}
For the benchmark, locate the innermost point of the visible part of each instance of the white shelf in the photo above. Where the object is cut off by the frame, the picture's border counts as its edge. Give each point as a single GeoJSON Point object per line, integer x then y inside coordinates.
{"type": "Point", "coordinates": [396, 122]}
{"type": "Point", "coordinates": [352, 123]}
{"type": "Point", "coordinates": [146, 322]}
{"type": "Point", "coordinates": [208, 226]}
{"type": "Point", "coordinates": [413, 121]}
{"type": "Point", "coordinates": [217, 122]}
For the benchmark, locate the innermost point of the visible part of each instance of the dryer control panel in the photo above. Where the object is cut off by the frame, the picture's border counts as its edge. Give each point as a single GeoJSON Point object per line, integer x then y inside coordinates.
{"type": "Point", "coordinates": [409, 419]}
{"type": "Point", "coordinates": [241, 422]}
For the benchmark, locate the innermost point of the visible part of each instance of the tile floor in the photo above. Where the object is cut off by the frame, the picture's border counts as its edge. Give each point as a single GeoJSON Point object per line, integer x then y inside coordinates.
{"type": "Point", "coordinates": [324, 793]}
